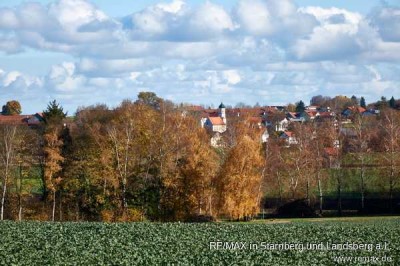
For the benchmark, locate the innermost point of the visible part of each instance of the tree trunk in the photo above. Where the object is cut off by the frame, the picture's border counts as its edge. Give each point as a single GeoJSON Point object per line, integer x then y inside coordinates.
{"type": "Point", "coordinates": [20, 194]}
{"type": "Point", "coordinates": [391, 187]}
{"type": "Point", "coordinates": [77, 210]}
{"type": "Point", "coordinates": [54, 206]}
{"type": "Point", "coordinates": [3, 196]}
{"type": "Point", "coordinates": [362, 177]}
{"type": "Point", "coordinates": [320, 192]}
{"type": "Point", "coordinates": [60, 205]}
{"type": "Point", "coordinates": [339, 191]}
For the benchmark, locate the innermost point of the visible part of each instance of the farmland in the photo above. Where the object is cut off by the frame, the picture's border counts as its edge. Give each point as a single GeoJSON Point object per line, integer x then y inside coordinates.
{"type": "Point", "coordinates": [38, 243]}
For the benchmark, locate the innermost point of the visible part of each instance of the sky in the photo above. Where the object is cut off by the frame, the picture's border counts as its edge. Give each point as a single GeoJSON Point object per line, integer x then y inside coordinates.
{"type": "Point", "coordinates": [84, 52]}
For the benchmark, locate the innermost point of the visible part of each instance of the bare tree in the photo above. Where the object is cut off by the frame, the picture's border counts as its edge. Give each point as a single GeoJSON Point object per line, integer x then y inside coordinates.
{"type": "Point", "coordinates": [390, 125]}
{"type": "Point", "coordinates": [7, 152]}
{"type": "Point", "coordinates": [360, 145]}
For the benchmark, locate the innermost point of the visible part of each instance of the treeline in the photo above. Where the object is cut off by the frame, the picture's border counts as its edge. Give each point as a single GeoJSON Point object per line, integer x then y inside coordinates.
{"type": "Point", "coordinates": [144, 160]}
{"type": "Point", "coordinates": [150, 160]}
{"type": "Point", "coordinates": [356, 155]}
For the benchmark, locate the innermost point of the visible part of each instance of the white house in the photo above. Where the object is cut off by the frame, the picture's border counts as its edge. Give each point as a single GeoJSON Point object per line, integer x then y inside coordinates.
{"type": "Point", "coordinates": [265, 136]}
{"type": "Point", "coordinates": [282, 125]}
{"type": "Point", "coordinates": [217, 123]}
{"type": "Point", "coordinates": [289, 137]}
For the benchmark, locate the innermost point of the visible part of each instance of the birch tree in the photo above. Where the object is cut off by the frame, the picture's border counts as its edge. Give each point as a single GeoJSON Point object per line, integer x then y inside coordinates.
{"type": "Point", "coordinates": [8, 146]}
{"type": "Point", "coordinates": [390, 125]}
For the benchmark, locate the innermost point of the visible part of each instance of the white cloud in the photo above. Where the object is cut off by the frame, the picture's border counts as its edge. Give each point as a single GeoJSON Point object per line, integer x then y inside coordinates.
{"type": "Point", "coordinates": [387, 22]}
{"type": "Point", "coordinates": [232, 76]}
{"type": "Point", "coordinates": [262, 50]}
{"type": "Point", "coordinates": [278, 19]}
{"type": "Point", "coordinates": [10, 78]}
{"type": "Point", "coordinates": [8, 19]}
{"type": "Point", "coordinates": [211, 17]}
{"type": "Point", "coordinates": [173, 7]}
{"type": "Point", "coordinates": [71, 14]}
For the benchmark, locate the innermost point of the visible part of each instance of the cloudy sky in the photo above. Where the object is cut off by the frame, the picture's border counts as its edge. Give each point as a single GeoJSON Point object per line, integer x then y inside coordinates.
{"type": "Point", "coordinates": [83, 52]}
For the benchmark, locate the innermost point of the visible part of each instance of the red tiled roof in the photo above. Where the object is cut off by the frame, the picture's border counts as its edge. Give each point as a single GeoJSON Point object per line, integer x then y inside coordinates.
{"type": "Point", "coordinates": [14, 119]}
{"type": "Point", "coordinates": [216, 121]}
{"type": "Point", "coordinates": [357, 108]}
{"type": "Point", "coordinates": [325, 114]}
{"type": "Point", "coordinates": [289, 133]}
{"type": "Point", "coordinates": [311, 113]}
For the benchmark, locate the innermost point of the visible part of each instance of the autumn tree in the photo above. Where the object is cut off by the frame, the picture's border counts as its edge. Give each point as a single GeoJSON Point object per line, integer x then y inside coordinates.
{"type": "Point", "coordinates": [53, 145]}
{"type": "Point", "coordinates": [52, 163]}
{"type": "Point", "coordinates": [25, 160]}
{"type": "Point", "coordinates": [149, 98]}
{"type": "Point", "coordinates": [191, 178]}
{"type": "Point", "coordinates": [90, 184]}
{"type": "Point", "coordinates": [12, 108]}
{"type": "Point", "coordinates": [8, 146]}
{"type": "Point", "coordinates": [240, 179]}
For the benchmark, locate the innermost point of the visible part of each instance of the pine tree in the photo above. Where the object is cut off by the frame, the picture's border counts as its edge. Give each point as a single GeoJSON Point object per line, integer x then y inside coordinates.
{"type": "Point", "coordinates": [54, 112]}
{"type": "Point", "coordinates": [362, 103]}
{"type": "Point", "coordinates": [392, 103]}
{"type": "Point", "coordinates": [300, 107]}
{"type": "Point", "coordinates": [354, 100]}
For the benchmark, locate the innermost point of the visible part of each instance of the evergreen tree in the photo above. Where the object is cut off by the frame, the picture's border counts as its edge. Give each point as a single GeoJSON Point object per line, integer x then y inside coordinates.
{"type": "Point", "coordinates": [362, 103]}
{"type": "Point", "coordinates": [392, 103]}
{"type": "Point", "coordinates": [54, 112]}
{"type": "Point", "coordinates": [354, 100]}
{"type": "Point", "coordinates": [300, 107]}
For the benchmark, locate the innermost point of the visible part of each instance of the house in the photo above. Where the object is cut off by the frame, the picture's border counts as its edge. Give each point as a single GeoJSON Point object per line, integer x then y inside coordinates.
{"type": "Point", "coordinates": [349, 111]}
{"type": "Point", "coordinates": [28, 120]}
{"type": "Point", "coordinates": [294, 117]}
{"type": "Point", "coordinates": [216, 122]}
{"type": "Point", "coordinates": [289, 137]}
{"type": "Point", "coordinates": [371, 112]}
{"type": "Point", "coordinates": [282, 125]}
{"type": "Point", "coordinates": [256, 122]}
{"type": "Point", "coordinates": [265, 136]}
{"type": "Point", "coordinates": [312, 108]}
{"type": "Point", "coordinates": [36, 119]}
{"type": "Point", "coordinates": [309, 115]}
{"type": "Point", "coordinates": [325, 115]}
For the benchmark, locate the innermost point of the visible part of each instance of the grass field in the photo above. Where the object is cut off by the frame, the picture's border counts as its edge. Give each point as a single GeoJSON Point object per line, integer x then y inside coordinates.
{"type": "Point", "coordinates": [34, 243]}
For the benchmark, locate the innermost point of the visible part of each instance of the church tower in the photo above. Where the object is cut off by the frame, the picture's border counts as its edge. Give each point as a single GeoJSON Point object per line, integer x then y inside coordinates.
{"type": "Point", "coordinates": [222, 112]}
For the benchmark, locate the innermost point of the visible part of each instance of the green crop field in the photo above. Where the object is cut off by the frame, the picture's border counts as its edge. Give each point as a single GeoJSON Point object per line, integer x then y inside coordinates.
{"type": "Point", "coordinates": [35, 243]}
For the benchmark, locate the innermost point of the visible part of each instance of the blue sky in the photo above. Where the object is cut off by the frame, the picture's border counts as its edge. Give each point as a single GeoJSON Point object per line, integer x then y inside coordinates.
{"type": "Point", "coordinates": [83, 52]}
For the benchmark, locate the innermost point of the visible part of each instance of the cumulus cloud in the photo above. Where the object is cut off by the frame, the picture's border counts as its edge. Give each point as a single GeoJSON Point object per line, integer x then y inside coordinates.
{"type": "Point", "coordinates": [387, 22]}
{"type": "Point", "coordinates": [279, 19]}
{"type": "Point", "coordinates": [263, 51]}
{"type": "Point", "coordinates": [177, 22]}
